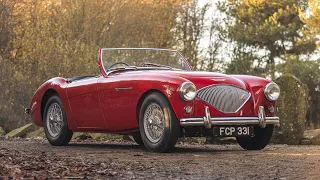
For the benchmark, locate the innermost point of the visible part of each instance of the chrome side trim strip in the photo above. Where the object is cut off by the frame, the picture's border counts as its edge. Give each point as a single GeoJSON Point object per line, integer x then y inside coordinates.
{"type": "Point", "coordinates": [123, 89]}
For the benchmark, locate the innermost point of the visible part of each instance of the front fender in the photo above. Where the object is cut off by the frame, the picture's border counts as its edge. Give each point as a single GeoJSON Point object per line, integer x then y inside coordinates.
{"type": "Point", "coordinates": [57, 85]}
{"type": "Point", "coordinates": [169, 86]}
{"type": "Point", "coordinates": [256, 86]}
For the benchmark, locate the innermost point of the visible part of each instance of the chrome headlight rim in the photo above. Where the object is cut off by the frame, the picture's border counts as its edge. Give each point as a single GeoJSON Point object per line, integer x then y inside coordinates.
{"type": "Point", "coordinates": [267, 94]}
{"type": "Point", "coordinates": [184, 95]}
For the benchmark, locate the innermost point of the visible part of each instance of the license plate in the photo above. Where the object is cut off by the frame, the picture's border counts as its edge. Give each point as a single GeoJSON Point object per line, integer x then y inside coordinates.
{"type": "Point", "coordinates": [233, 131]}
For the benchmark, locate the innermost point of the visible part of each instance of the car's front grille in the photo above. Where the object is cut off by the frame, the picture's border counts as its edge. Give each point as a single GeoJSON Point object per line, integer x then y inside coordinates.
{"type": "Point", "coordinates": [225, 98]}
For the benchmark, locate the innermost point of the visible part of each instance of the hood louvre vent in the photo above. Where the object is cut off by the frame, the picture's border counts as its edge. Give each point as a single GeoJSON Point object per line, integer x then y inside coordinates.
{"type": "Point", "coordinates": [225, 98]}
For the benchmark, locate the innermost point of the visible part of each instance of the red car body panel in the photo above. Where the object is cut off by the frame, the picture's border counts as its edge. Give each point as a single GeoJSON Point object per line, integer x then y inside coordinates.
{"type": "Point", "coordinates": [111, 103]}
{"type": "Point", "coordinates": [55, 84]}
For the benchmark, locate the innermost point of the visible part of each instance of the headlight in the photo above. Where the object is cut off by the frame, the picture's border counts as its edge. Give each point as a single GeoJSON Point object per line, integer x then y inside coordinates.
{"type": "Point", "coordinates": [272, 91]}
{"type": "Point", "coordinates": [187, 91]}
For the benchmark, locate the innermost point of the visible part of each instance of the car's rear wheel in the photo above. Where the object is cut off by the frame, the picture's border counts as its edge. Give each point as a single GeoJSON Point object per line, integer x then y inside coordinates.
{"type": "Point", "coordinates": [259, 141]}
{"type": "Point", "coordinates": [159, 128]}
{"type": "Point", "coordinates": [55, 122]}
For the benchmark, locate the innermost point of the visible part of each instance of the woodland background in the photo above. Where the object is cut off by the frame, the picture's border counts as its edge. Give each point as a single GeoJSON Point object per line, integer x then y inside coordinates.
{"type": "Point", "coordinates": [41, 39]}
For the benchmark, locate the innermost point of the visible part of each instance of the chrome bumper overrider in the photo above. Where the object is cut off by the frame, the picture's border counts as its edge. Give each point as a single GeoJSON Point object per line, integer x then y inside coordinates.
{"type": "Point", "coordinates": [208, 121]}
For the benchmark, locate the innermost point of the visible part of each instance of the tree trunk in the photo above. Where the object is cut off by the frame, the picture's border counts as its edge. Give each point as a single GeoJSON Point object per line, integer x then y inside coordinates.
{"type": "Point", "coordinates": [271, 64]}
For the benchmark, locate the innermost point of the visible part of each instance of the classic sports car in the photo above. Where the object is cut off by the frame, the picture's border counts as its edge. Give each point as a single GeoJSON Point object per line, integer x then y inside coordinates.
{"type": "Point", "coordinates": [153, 95]}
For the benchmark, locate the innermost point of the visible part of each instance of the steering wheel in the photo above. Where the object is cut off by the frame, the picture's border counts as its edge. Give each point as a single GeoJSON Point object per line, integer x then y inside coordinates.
{"type": "Point", "coordinates": [109, 67]}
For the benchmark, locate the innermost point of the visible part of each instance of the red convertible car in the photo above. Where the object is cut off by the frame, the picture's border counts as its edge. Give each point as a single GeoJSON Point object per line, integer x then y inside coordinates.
{"type": "Point", "coordinates": [153, 95]}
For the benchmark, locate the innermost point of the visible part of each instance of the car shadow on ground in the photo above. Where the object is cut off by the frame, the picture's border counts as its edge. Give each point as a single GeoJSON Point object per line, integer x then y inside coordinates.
{"type": "Point", "coordinates": [123, 146]}
{"type": "Point", "coordinates": [178, 149]}
{"type": "Point", "coordinates": [199, 149]}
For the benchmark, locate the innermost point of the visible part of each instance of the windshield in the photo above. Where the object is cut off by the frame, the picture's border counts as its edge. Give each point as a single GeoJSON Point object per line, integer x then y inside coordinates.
{"type": "Point", "coordinates": [113, 58]}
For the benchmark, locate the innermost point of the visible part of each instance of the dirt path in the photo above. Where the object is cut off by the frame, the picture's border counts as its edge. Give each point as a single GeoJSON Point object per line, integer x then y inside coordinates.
{"type": "Point", "coordinates": [125, 160]}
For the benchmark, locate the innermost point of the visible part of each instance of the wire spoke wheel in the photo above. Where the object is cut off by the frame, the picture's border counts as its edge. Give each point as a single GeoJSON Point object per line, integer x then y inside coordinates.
{"type": "Point", "coordinates": [54, 119]}
{"type": "Point", "coordinates": [154, 122]}
{"type": "Point", "coordinates": [159, 127]}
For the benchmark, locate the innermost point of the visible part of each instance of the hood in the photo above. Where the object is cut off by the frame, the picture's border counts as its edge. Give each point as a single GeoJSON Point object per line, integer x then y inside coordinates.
{"type": "Point", "coordinates": [202, 79]}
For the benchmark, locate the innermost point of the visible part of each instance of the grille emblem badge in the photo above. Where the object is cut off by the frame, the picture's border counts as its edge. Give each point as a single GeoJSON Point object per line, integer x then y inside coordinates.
{"type": "Point", "coordinates": [242, 98]}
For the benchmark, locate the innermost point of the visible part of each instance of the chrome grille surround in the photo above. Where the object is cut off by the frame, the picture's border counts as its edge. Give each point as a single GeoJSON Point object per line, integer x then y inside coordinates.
{"type": "Point", "coordinates": [223, 97]}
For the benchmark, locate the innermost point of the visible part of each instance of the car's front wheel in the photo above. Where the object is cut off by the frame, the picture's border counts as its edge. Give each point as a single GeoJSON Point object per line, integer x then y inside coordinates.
{"type": "Point", "coordinates": [259, 141]}
{"type": "Point", "coordinates": [159, 127]}
{"type": "Point", "coordinates": [55, 122]}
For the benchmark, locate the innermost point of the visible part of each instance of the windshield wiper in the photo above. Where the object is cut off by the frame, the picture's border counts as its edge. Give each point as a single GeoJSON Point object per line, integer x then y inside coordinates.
{"type": "Point", "coordinates": [147, 64]}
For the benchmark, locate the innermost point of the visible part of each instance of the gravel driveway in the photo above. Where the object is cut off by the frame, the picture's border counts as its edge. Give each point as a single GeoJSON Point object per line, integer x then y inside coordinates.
{"type": "Point", "coordinates": [23, 158]}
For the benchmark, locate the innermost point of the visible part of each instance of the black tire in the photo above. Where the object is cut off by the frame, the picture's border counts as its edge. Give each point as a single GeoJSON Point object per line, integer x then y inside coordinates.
{"type": "Point", "coordinates": [137, 138]}
{"type": "Point", "coordinates": [64, 135]}
{"type": "Point", "coordinates": [171, 127]}
{"type": "Point", "coordinates": [259, 141]}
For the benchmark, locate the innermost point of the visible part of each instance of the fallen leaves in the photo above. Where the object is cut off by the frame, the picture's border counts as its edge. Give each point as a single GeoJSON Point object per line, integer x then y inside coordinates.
{"type": "Point", "coordinates": [44, 165]}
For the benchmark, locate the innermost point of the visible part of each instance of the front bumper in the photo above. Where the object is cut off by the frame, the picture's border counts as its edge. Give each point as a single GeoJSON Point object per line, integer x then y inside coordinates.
{"type": "Point", "coordinates": [208, 121]}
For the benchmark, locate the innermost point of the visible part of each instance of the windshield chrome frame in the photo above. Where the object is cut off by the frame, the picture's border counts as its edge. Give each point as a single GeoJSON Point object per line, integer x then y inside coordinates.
{"type": "Point", "coordinates": [155, 49]}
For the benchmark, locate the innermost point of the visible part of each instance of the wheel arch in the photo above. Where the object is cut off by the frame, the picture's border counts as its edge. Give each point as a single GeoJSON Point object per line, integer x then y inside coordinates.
{"type": "Point", "coordinates": [53, 86]}
{"type": "Point", "coordinates": [143, 97]}
{"type": "Point", "coordinates": [49, 93]}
